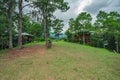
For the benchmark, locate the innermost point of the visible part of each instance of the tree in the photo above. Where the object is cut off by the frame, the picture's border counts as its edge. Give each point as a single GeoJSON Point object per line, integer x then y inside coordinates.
{"type": "Point", "coordinates": [11, 8]}
{"type": "Point", "coordinates": [3, 25]}
{"type": "Point", "coordinates": [107, 26]}
{"type": "Point", "coordinates": [20, 14]}
{"type": "Point", "coordinates": [98, 37]}
{"type": "Point", "coordinates": [3, 32]}
{"type": "Point", "coordinates": [104, 33]}
{"type": "Point", "coordinates": [57, 27]}
{"type": "Point", "coordinates": [34, 28]}
{"type": "Point", "coordinates": [20, 24]}
{"type": "Point", "coordinates": [7, 8]}
{"type": "Point", "coordinates": [113, 26]}
{"type": "Point", "coordinates": [72, 30]}
{"type": "Point", "coordinates": [47, 8]}
{"type": "Point", "coordinates": [83, 19]}
{"type": "Point", "coordinates": [79, 26]}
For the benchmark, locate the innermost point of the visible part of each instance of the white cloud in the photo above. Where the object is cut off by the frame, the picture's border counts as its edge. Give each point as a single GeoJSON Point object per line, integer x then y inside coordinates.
{"type": "Point", "coordinates": [106, 5]}
{"type": "Point", "coordinates": [82, 5]}
{"type": "Point", "coordinates": [76, 7]}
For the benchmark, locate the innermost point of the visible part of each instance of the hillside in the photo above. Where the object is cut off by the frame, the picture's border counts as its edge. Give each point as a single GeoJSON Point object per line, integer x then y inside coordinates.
{"type": "Point", "coordinates": [64, 61]}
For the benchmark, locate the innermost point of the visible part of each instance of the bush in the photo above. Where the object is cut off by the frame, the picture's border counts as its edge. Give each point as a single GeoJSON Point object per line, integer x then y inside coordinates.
{"type": "Point", "coordinates": [42, 39]}
{"type": "Point", "coordinates": [37, 39]}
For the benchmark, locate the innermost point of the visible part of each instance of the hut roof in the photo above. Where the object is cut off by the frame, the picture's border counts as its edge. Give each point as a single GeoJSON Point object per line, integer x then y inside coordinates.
{"type": "Point", "coordinates": [25, 34]}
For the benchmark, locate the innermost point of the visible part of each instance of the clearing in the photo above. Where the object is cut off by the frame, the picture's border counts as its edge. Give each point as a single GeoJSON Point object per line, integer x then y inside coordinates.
{"type": "Point", "coordinates": [64, 61]}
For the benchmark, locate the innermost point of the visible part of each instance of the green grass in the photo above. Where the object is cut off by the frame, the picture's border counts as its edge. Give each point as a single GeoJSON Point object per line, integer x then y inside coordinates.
{"type": "Point", "coordinates": [64, 61]}
{"type": "Point", "coordinates": [2, 53]}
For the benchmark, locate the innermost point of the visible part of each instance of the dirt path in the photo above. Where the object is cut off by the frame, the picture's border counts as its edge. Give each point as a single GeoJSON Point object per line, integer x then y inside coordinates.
{"type": "Point", "coordinates": [14, 53]}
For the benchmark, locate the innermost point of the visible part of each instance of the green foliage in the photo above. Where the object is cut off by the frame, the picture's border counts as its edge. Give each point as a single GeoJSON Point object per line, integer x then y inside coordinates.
{"type": "Point", "coordinates": [36, 29]}
{"type": "Point", "coordinates": [108, 24]}
{"type": "Point", "coordinates": [37, 39]}
{"type": "Point", "coordinates": [79, 27]}
{"type": "Point", "coordinates": [51, 5]}
{"type": "Point", "coordinates": [105, 32]}
{"type": "Point", "coordinates": [58, 27]}
{"type": "Point", "coordinates": [25, 23]}
{"type": "Point", "coordinates": [84, 19]}
{"type": "Point", "coordinates": [3, 32]}
{"type": "Point", "coordinates": [30, 27]}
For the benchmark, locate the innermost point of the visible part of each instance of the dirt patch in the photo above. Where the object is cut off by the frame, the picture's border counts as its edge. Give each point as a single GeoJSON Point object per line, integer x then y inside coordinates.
{"type": "Point", "coordinates": [14, 53]}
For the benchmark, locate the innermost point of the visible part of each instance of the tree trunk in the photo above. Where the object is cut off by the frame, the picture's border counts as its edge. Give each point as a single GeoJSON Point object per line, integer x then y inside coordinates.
{"type": "Point", "coordinates": [83, 37]}
{"type": "Point", "coordinates": [48, 43]}
{"type": "Point", "coordinates": [10, 12]}
{"type": "Point", "coordinates": [45, 30]}
{"type": "Point", "coordinates": [20, 25]}
{"type": "Point", "coordinates": [117, 46]}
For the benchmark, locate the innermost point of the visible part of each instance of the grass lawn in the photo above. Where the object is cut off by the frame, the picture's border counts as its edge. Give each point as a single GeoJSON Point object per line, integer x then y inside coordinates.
{"type": "Point", "coordinates": [64, 61]}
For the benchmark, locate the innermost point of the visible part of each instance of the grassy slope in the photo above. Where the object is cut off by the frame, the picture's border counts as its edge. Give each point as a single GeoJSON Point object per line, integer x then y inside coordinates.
{"type": "Point", "coordinates": [65, 61]}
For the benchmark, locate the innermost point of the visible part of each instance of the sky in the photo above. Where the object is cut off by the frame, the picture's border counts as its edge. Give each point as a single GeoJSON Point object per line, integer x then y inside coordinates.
{"type": "Point", "coordinates": [90, 6]}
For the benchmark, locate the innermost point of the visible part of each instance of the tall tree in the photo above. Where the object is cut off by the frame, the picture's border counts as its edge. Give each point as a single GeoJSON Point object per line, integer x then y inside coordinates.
{"type": "Point", "coordinates": [100, 29]}
{"type": "Point", "coordinates": [20, 24]}
{"type": "Point", "coordinates": [10, 28]}
{"type": "Point", "coordinates": [47, 8]}
{"type": "Point", "coordinates": [20, 8]}
{"type": "Point", "coordinates": [113, 26]}
{"type": "Point", "coordinates": [7, 8]}
{"type": "Point", "coordinates": [107, 26]}
{"type": "Point", "coordinates": [83, 19]}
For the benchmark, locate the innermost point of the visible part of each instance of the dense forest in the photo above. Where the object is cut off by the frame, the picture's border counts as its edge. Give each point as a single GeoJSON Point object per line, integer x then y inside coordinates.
{"type": "Point", "coordinates": [37, 23]}
{"type": "Point", "coordinates": [103, 33]}
{"type": "Point", "coordinates": [15, 22]}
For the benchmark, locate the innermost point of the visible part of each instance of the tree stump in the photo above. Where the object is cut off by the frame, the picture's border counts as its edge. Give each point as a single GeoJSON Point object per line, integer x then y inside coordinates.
{"type": "Point", "coordinates": [49, 44]}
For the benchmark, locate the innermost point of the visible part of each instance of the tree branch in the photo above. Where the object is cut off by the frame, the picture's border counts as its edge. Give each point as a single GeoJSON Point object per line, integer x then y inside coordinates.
{"type": "Point", "coordinates": [26, 5]}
